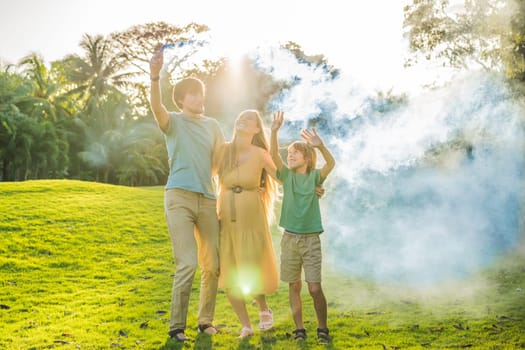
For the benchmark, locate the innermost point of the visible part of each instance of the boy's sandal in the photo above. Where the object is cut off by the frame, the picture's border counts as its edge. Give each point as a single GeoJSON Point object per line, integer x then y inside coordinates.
{"type": "Point", "coordinates": [265, 320]}
{"type": "Point", "coordinates": [323, 335]}
{"type": "Point", "coordinates": [178, 335]}
{"type": "Point", "coordinates": [207, 328]}
{"type": "Point", "coordinates": [299, 334]}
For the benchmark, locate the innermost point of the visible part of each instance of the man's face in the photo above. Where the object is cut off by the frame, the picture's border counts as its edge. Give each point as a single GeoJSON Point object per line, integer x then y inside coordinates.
{"type": "Point", "coordinates": [194, 103]}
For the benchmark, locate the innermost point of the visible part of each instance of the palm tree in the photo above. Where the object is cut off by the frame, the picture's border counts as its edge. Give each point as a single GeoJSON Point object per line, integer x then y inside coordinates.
{"type": "Point", "coordinates": [98, 73]}
{"type": "Point", "coordinates": [103, 148]}
{"type": "Point", "coordinates": [45, 100]}
{"type": "Point", "coordinates": [145, 161]}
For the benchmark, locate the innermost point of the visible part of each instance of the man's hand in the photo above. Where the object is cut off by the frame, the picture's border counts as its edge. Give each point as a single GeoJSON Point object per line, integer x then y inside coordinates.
{"type": "Point", "coordinates": [320, 191]}
{"type": "Point", "coordinates": [155, 63]}
{"type": "Point", "coordinates": [278, 118]}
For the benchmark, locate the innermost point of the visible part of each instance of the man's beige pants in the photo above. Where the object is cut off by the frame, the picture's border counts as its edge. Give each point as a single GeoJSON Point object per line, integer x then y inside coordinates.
{"type": "Point", "coordinates": [194, 230]}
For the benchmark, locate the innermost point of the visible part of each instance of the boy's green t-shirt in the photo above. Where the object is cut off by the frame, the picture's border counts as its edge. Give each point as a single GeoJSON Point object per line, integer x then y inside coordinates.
{"type": "Point", "coordinates": [300, 212]}
{"type": "Point", "coordinates": [190, 142]}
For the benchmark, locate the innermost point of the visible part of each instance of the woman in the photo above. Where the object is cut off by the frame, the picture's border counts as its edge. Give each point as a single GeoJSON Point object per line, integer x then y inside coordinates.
{"type": "Point", "coordinates": [245, 203]}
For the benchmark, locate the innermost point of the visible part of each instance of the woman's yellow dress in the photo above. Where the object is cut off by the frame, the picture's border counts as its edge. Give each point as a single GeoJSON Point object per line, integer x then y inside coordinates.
{"type": "Point", "coordinates": [247, 257]}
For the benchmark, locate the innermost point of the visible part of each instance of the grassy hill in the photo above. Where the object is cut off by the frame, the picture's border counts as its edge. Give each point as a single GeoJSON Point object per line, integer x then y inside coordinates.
{"type": "Point", "coordinates": [89, 266]}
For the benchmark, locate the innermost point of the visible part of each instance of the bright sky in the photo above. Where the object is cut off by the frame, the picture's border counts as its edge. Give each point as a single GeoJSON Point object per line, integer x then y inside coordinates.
{"type": "Point", "coordinates": [363, 38]}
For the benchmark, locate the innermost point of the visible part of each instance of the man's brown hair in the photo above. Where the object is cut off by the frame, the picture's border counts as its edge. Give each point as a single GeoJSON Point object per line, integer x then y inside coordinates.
{"type": "Point", "coordinates": [187, 85]}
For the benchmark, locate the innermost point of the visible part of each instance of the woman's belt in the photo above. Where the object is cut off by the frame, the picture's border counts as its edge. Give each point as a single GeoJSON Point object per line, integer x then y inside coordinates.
{"type": "Point", "coordinates": [235, 190]}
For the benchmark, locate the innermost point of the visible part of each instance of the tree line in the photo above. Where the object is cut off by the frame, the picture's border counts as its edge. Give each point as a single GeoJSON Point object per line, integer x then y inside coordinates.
{"type": "Point", "coordinates": [87, 116]}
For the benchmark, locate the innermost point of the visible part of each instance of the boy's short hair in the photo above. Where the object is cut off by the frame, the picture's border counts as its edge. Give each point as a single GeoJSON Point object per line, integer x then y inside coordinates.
{"type": "Point", "coordinates": [308, 153]}
{"type": "Point", "coordinates": [184, 86]}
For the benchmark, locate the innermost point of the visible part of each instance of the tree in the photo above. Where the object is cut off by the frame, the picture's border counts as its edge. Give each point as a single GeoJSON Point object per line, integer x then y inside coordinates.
{"type": "Point", "coordinates": [315, 61]}
{"type": "Point", "coordinates": [145, 159]}
{"type": "Point", "coordinates": [136, 45]}
{"type": "Point", "coordinates": [44, 100]}
{"type": "Point", "coordinates": [99, 72]}
{"type": "Point", "coordinates": [31, 142]}
{"type": "Point", "coordinates": [102, 149]}
{"type": "Point", "coordinates": [489, 33]}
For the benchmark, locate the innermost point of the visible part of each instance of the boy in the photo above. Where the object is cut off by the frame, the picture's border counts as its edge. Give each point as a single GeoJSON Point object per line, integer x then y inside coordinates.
{"type": "Point", "coordinates": [301, 220]}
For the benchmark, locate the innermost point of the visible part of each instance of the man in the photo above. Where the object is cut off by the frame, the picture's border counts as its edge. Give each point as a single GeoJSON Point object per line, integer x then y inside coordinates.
{"type": "Point", "coordinates": [190, 204]}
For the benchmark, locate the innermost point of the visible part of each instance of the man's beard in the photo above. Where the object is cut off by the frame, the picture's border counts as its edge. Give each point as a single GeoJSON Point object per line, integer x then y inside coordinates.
{"type": "Point", "coordinates": [196, 110]}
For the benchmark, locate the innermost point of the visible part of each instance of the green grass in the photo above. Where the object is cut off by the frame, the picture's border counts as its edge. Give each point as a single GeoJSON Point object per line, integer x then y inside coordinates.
{"type": "Point", "coordinates": [88, 266]}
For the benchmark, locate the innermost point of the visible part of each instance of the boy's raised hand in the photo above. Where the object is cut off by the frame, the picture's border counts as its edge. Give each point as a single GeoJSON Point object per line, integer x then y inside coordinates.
{"type": "Point", "coordinates": [277, 122]}
{"type": "Point", "coordinates": [311, 137]}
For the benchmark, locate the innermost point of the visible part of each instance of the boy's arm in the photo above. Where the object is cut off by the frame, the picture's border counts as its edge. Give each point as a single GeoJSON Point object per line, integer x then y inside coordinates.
{"type": "Point", "coordinates": [274, 144]}
{"type": "Point", "coordinates": [159, 110]}
{"type": "Point", "coordinates": [329, 161]}
{"type": "Point", "coordinates": [315, 140]}
{"type": "Point", "coordinates": [269, 165]}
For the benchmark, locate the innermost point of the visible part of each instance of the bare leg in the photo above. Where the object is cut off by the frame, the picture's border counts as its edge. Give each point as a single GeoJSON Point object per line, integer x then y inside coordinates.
{"type": "Point", "coordinates": [316, 292]}
{"type": "Point", "coordinates": [239, 306]}
{"type": "Point", "coordinates": [265, 314]}
{"type": "Point", "coordinates": [261, 302]}
{"type": "Point", "coordinates": [294, 294]}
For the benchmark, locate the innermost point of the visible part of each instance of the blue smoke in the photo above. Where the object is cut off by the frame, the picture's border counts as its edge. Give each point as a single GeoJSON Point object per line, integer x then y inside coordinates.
{"type": "Point", "coordinates": [425, 189]}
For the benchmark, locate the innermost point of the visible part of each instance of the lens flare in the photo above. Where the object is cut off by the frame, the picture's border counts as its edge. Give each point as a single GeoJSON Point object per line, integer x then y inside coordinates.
{"type": "Point", "coordinates": [245, 290]}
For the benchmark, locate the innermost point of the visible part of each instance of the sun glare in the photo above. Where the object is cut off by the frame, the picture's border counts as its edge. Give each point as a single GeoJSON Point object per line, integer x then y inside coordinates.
{"type": "Point", "coordinates": [245, 290]}
{"type": "Point", "coordinates": [233, 49]}
{"type": "Point", "coordinates": [234, 60]}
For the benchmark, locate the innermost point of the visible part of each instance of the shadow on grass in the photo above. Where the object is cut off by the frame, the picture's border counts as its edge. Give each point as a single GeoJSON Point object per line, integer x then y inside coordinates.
{"type": "Point", "coordinates": [202, 342]}
{"type": "Point", "coordinates": [172, 344]}
{"type": "Point", "coordinates": [268, 341]}
{"type": "Point", "coordinates": [281, 341]}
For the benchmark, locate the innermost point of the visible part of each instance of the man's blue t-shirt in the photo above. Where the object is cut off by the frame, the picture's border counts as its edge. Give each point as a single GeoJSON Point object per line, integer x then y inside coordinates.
{"type": "Point", "coordinates": [190, 142]}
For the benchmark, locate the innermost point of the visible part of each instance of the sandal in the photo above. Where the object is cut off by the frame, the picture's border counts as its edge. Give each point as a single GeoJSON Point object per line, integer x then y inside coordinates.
{"type": "Point", "coordinates": [266, 320]}
{"type": "Point", "coordinates": [207, 328]}
{"type": "Point", "coordinates": [323, 335]}
{"type": "Point", "coordinates": [178, 335]}
{"type": "Point", "coordinates": [246, 332]}
{"type": "Point", "coordinates": [299, 334]}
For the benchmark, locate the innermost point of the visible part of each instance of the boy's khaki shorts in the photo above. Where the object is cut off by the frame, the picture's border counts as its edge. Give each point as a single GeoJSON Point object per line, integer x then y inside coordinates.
{"type": "Point", "coordinates": [300, 251]}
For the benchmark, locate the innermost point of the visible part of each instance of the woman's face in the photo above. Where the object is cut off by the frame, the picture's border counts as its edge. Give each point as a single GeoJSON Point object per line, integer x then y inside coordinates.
{"type": "Point", "coordinates": [247, 123]}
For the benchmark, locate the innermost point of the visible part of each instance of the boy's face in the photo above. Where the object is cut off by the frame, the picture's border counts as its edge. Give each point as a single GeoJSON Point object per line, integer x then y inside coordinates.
{"type": "Point", "coordinates": [295, 159]}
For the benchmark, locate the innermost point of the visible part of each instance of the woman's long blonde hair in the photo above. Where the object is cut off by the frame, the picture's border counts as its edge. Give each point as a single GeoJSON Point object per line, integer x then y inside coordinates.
{"type": "Point", "coordinates": [229, 159]}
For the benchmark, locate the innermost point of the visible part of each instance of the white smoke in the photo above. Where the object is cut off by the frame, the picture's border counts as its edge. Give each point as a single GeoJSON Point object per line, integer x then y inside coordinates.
{"type": "Point", "coordinates": [424, 190]}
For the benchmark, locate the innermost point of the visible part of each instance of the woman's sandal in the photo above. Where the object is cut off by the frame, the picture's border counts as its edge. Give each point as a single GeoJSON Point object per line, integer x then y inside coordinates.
{"type": "Point", "coordinates": [207, 328]}
{"type": "Point", "coordinates": [323, 335]}
{"type": "Point", "coordinates": [245, 333]}
{"type": "Point", "coordinates": [178, 335]}
{"type": "Point", "coordinates": [299, 334]}
{"type": "Point", "coordinates": [265, 320]}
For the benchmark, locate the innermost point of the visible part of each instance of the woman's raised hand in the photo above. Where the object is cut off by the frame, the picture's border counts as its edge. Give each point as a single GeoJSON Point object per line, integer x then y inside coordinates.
{"type": "Point", "coordinates": [277, 122]}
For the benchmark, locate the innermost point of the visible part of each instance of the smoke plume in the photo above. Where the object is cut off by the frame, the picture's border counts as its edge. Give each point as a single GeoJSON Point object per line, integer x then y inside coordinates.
{"type": "Point", "coordinates": [426, 188]}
